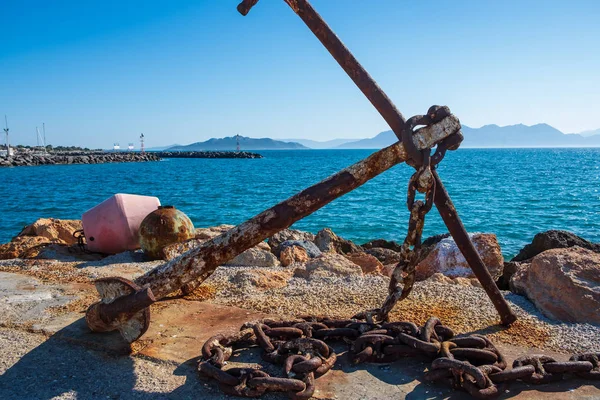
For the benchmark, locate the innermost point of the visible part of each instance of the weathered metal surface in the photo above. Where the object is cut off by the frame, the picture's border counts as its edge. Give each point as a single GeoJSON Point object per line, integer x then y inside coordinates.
{"type": "Point", "coordinates": [398, 124]}
{"type": "Point", "coordinates": [124, 307]}
{"type": "Point", "coordinates": [197, 264]}
{"type": "Point", "coordinates": [163, 227]}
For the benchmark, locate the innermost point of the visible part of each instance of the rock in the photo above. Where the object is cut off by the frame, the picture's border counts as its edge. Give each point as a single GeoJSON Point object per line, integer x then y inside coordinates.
{"type": "Point", "coordinates": [327, 241]}
{"type": "Point", "coordinates": [368, 263]}
{"type": "Point", "coordinates": [563, 284]}
{"type": "Point", "coordinates": [53, 229]}
{"type": "Point", "coordinates": [445, 257]}
{"type": "Point", "coordinates": [25, 247]}
{"type": "Point", "coordinates": [311, 249]}
{"type": "Point", "coordinates": [384, 244]}
{"type": "Point", "coordinates": [301, 272]}
{"type": "Point", "coordinates": [293, 254]}
{"type": "Point", "coordinates": [332, 263]}
{"type": "Point", "coordinates": [277, 239]}
{"type": "Point", "coordinates": [554, 239]}
{"type": "Point", "coordinates": [429, 244]}
{"type": "Point", "coordinates": [209, 233]}
{"type": "Point", "coordinates": [510, 268]}
{"type": "Point", "coordinates": [386, 256]}
{"type": "Point", "coordinates": [263, 246]}
{"type": "Point", "coordinates": [261, 279]}
{"type": "Point", "coordinates": [388, 269]}
{"type": "Point", "coordinates": [255, 257]}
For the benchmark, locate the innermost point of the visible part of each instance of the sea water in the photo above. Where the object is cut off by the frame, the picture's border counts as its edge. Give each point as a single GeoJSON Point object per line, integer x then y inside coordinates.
{"type": "Point", "coordinates": [514, 193]}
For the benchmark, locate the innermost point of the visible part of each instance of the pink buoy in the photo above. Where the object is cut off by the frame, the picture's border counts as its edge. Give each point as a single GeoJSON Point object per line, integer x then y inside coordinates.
{"type": "Point", "coordinates": [112, 226]}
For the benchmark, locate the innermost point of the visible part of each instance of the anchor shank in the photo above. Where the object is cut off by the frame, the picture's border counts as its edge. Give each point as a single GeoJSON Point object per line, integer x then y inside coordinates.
{"type": "Point", "coordinates": [197, 264]}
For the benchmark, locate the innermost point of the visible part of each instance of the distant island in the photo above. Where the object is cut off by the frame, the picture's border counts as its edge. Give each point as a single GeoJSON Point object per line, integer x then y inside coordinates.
{"type": "Point", "coordinates": [246, 143]}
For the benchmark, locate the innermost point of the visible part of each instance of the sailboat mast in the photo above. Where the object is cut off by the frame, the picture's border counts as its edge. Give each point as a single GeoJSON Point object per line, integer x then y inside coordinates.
{"type": "Point", "coordinates": [6, 131]}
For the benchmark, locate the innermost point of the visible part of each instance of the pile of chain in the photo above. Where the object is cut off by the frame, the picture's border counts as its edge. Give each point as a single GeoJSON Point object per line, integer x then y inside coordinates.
{"type": "Point", "coordinates": [471, 363]}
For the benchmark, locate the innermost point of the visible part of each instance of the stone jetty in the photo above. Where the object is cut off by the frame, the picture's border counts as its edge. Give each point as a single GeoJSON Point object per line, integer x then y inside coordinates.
{"type": "Point", "coordinates": [207, 154]}
{"type": "Point", "coordinates": [31, 159]}
{"type": "Point", "coordinates": [100, 157]}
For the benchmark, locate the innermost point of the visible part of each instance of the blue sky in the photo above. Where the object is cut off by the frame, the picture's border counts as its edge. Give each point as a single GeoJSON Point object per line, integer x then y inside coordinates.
{"type": "Point", "coordinates": [185, 71]}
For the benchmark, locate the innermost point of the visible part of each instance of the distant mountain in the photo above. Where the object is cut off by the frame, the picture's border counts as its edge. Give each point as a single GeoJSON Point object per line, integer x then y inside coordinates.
{"type": "Point", "coordinates": [315, 144]}
{"type": "Point", "coordinates": [540, 135]}
{"type": "Point", "coordinates": [590, 133]}
{"type": "Point", "coordinates": [380, 141]}
{"type": "Point", "coordinates": [246, 143]}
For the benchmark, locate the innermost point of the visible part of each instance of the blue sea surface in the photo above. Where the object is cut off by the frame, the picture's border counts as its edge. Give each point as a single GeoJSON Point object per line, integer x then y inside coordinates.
{"type": "Point", "coordinates": [514, 193]}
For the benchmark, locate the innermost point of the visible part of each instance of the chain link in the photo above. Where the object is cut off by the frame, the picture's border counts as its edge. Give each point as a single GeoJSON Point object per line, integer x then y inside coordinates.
{"type": "Point", "coordinates": [471, 363]}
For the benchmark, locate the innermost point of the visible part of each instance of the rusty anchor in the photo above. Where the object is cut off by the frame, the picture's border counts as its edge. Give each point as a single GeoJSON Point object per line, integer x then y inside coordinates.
{"type": "Point", "coordinates": [124, 304]}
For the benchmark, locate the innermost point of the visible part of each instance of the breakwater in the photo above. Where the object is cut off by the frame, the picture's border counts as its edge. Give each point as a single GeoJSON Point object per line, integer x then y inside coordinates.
{"type": "Point", "coordinates": [32, 159]}
{"type": "Point", "coordinates": [207, 154]}
{"type": "Point", "coordinates": [101, 157]}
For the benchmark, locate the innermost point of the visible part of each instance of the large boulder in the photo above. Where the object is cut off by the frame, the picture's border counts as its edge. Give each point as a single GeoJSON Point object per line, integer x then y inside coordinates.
{"type": "Point", "coordinates": [54, 229]}
{"type": "Point", "coordinates": [368, 263]}
{"type": "Point", "coordinates": [311, 249]}
{"type": "Point", "coordinates": [385, 256]}
{"type": "Point", "coordinates": [293, 254]}
{"type": "Point", "coordinates": [277, 239]}
{"type": "Point", "coordinates": [332, 263]}
{"type": "Point", "coordinates": [255, 257]}
{"type": "Point", "coordinates": [563, 283]}
{"type": "Point", "coordinates": [25, 247]}
{"type": "Point", "coordinates": [554, 239]}
{"type": "Point", "coordinates": [328, 242]}
{"type": "Point", "coordinates": [446, 258]}
{"type": "Point", "coordinates": [510, 268]}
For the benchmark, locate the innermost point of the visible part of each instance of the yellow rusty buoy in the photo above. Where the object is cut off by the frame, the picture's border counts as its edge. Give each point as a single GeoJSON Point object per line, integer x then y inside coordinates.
{"type": "Point", "coordinates": [163, 227]}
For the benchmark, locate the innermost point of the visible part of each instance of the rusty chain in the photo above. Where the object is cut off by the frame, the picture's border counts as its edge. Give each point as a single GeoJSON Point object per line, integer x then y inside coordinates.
{"type": "Point", "coordinates": [471, 363]}
{"type": "Point", "coordinates": [422, 181]}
